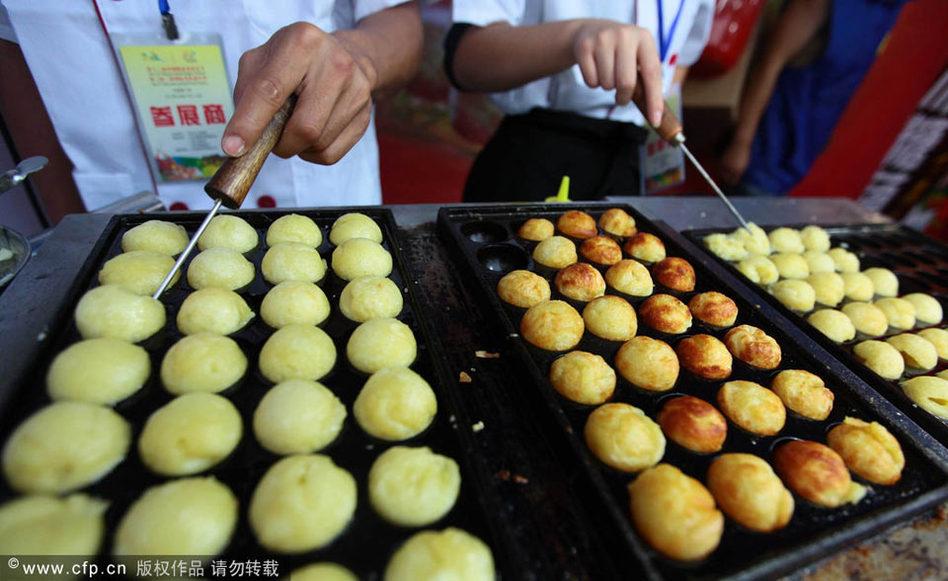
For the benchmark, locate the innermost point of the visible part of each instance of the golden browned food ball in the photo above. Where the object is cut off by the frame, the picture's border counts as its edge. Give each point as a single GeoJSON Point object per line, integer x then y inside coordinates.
{"type": "Point", "coordinates": [190, 434]}
{"type": "Point", "coordinates": [380, 343]}
{"type": "Point", "coordinates": [820, 262]}
{"type": "Point", "coordinates": [754, 239]}
{"type": "Point", "coordinates": [630, 277]}
{"type": "Point", "coordinates": [665, 313]}
{"type": "Point", "coordinates": [674, 273]}
{"type": "Point", "coordinates": [834, 324]}
{"type": "Point", "coordinates": [693, 424]}
{"type": "Point", "coordinates": [292, 261]}
{"type": "Point", "coordinates": [202, 362]}
{"type": "Point", "coordinates": [617, 222]}
{"type": "Point", "coordinates": [753, 346]}
{"type": "Point", "coordinates": [938, 338]}
{"type": "Point", "coordinates": [156, 236]}
{"type": "Point", "coordinates": [791, 265]}
{"type": "Point", "coordinates": [623, 437]}
{"type": "Point", "coordinates": [884, 281]}
{"type": "Point", "coordinates": [880, 357]}
{"type": "Point", "coordinates": [815, 238]}
{"type": "Point", "coordinates": [65, 446]}
{"type": "Point", "coordinates": [927, 308]}
{"type": "Point", "coordinates": [583, 377]}
{"type": "Point", "coordinates": [868, 449]}
{"type": "Point", "coordinates": [111, 311]}
{"type": "Point", "coordinates": [395, 404]}
{"type": "Point", "coordinates": [817, 473]}
{"type": "Point", "coordinates": [785, 239]}
{"type": "Point", "coordinates": [294, 302]}
{"type": "Point", "coordinates": [675, 513]}
{"type": "Point", "coordinates": [804, 393]}
{"type": "Point", "coordinates": [188, 516]}
{"type": "Point", "coordinates": [705, 356]}
{"type": "Point", "coordinates": [323, 571]}
{"type": "Point", "coordinates": [373, 297]}
{"type": "Point", "coordinates": [354, 225]}
{"type": "Point", "coordinates": [448, 554]}
{"type": "Point", "coordinates": [580, 281]}
{"type": "Point", "coordinates": [413, 487]}
{"type": "Point", "coordinates": [646, 247]}
{"type": "Point", "coordinates": [555, 252]}
{"type": "Point", "coordinates": [298, 416]}
{"type": "Point", "coordinates": [577, 224]}
{"type": "Point", "coordinates": [844, 260]}
{"type": "Point", "coordinates": [726, 247]}
{"type": "Point", "coordinates": [220, 267]}
{"type": "Point", "coordinates": [601, 250]}
{"type": "Point", "coordinates": [101, 371]}
{"type": "Point", "coordinates": [522, 288]}
{"type": "Point", "coordinates": [918, 352]}
{"type": "Point", "coordinates": [857, 286]}
{"type": "Point", "coordinates": [648, 363]}
{"type": "Point", "coordinates": [759, 269]}
{"type": "Point", "coordinates": [213, 310]}
{"type": "Point", "coordinates": [899, 312]}
{"type": "Point", "coordinates": [828, 286]}
{"type": "Point", "coordinates": [297, 351]}
{"type": "Point", "coordinates": [302, 503]}
{"type": "Point", "coordinates": [552, 325]}
{"type": "Point", "coordinates": [361, 257]}
{"type": "Point", "coordinates": [47, 525]}
{"type": "Point", "coordinates": [228, 231]}
{"type": "Point", "coordinates": [536, 229]}
{"type": "Point", "coordinates": [138, 271]}
{"type": "Point", "coordinates": [294, 228]}
{"type": "Point", "coordinates": [867, 318]}
{"type": "Point", "coordinates": [752, 407]}
{"type": "Point", "coordinates": [748, 491]}
{"type": "Point", "coordinates": [929, 393]}
{"type": "Point", "coordinates": [713, 308]}
{"type": "Point", "coordinates": [797, 295]}
{"type": "Point", "coordinates": [611, 318]}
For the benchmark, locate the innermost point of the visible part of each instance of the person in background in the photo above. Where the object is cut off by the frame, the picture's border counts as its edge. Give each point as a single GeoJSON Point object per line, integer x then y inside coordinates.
{"type": "Point", "coordinates": [812, 61]}
{"type": "Point", "coordinates": [563, 72]}
{"type": "Point", "coordinates": [337, 56]}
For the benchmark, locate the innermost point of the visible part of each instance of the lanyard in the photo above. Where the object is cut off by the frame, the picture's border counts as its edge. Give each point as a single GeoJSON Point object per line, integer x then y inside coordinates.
{"type": "Point", "coordinates": [167, 20]}
{"type": "Point", "coordinates": [663, 41]}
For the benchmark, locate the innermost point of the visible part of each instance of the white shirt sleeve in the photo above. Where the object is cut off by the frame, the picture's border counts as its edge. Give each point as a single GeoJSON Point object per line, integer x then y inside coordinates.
{"type": "Point", "coordinates": [698, 35]}
{"type": "Point", "coordinates": [484, 12]}
{"type": "Point", "coordinates": [364, 8]}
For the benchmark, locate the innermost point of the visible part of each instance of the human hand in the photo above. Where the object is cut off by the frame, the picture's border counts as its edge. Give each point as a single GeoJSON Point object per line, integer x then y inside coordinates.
{"type": "Point", "coordinates": [613, 55]}
{"type": "Point", "coordinates": [734, 162]}
{"type": "Point", "coordinates": [331, 79]}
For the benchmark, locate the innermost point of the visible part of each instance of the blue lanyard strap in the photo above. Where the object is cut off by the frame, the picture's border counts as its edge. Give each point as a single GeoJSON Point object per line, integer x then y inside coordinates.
{"type": "Point", "coordinates": [663, 41]}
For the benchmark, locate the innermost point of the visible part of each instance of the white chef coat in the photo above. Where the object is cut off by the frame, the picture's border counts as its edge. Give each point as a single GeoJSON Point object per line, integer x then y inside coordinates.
{"type": "Point", "coordinates": [567, 91]}
{"type": "Point", "coordinates": [82, 88]}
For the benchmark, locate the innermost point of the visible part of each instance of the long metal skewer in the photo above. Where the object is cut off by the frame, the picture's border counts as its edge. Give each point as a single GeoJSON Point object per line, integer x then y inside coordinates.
{"type": "Point", "coordinates": [187, 249]}
{"type": "Point", "coordinates": [679, 140]}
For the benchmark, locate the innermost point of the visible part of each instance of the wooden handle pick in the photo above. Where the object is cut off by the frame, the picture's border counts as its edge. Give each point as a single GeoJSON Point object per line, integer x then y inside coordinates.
{"type": "Point", "coordinates": [670, 127]}
{"type": "Point", "coordinates": [233, 179]}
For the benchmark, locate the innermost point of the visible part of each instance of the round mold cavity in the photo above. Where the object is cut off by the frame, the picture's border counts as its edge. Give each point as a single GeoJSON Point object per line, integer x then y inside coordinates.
{"type": "Point", "coordinates": [484, 232]}
{"type": "Point", "coordinates": [502, 257]}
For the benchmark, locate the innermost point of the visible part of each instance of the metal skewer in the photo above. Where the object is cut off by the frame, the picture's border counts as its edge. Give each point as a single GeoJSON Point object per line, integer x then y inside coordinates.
{"type": "Point", "coordinates": [187, 249]}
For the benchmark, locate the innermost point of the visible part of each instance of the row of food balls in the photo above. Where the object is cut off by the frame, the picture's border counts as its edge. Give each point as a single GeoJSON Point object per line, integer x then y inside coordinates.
{"type": "Point", "coordinates": [623, 437]}
{"type": "Point", "coordinates": [304, 501]}
{"type": "Point", "coordinates": [804, 274]}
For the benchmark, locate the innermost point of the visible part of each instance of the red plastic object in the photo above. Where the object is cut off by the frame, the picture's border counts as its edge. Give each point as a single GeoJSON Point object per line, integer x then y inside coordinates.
{"type": "Point", "coordinates": [734, 21]}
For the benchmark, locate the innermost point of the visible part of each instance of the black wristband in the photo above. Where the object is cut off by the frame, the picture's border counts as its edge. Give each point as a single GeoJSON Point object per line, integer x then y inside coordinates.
{"type": "Point", "coordinates": [451, 41]}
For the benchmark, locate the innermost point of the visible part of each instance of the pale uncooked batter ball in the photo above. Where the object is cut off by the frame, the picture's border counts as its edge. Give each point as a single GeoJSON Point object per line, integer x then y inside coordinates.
{"type": "Point", "coordinates": [759, 269]}
{"type": "Point", "coordinates": [101, 371]}
{"type": "Point", "coordinates": [220, 267]}
{"type": "Point", "coordinates": [930, 393]}
{"type": "Point", "coordinates": [819, 261]}
{"type": "Point", "coordinates": [844, 260]}
{"type": "Point", "coordinates": [297, 352]}
{"type": "Point", "coordinates": [899, 312]}
{"type": "Point", "coordinates": [858, 286]}
{"type": "Point", "coordinates": [294, 228]}
{"type": "Point", "coordinates": [867, 318]}
{"type": "Point", "coordinates": [228, 231]}
{"type": "Point", "coordinates": [380, 343]}
{"type": "Point", "coordinates": [815, 238]}
{"type": "Point", "coordinates": [413, 487]}
{"type": "Point", "coordinates": [791, 265]}
{"type": "Point", "coordinates": [111, 311]}
{"type": "Point", "coordinates": [938, 338]}
{"type": "Point", "coordinates": [725, 246]}
{"type": "Point", "coordinates": [65, 446]}
{"type": "Point", "coordinates": [47, 525]}
{"type": "Point", "coordinates": [202, 362]}
{"type": "Point", "coordinates": [834, 324]}
{"type": "Point", "coordinates": [323, 571]}
{"type": "Point", "coordinates": [354, 225]}
{"type": "Point", "coordinates": [190, 434]}
{"type": "Point", "coordinates": [292, 261]}
{"type": "Point", "coordinates": [157, 236]}
{"type": "Point", "coordinates": [927, 308]}
{"type": "Point", "coordinates": [372, 297]}
{"type": "Point", "coordinates": [138, 271]}
{"type": "Point", "coordinates": [302, 503]}
{"type": "Point", "coordinates": [753, 238]}
{"type": "Point", "coordinates": [298, 416]}
{"type": "Point", "coordinates": [828, 286]}
{"type": "Point", "coordinates": [361, 257]}
{"type": "Point", "coordinates": [213, 310]}
{"type": "Point", "coordinates": [794, 294]}
{"type": "Point", "coordinates": [294, 303]}
{"type": "Point", "coordinates": [880, 357]}
{"type": "Point", "coordinates": [448, 554]}
{"type": "Point", "coordinates": [917, 351]}
{"type": "Point", "coordinates": [395, 404]}
{"type": "Point", "coordinates": [884, 281]}
{"type": "Point", "coordinates": [785, 239]}
{"type": "Point", "coordinates": [189, 516]}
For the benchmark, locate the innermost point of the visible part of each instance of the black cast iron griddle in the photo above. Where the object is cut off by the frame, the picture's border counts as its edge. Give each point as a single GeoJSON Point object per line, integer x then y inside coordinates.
{"type": "Point", "coordinates": [485, 242]}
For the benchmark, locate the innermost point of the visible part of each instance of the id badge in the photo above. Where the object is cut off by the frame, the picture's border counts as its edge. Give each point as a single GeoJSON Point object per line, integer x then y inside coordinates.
{"type": "Point", "coordinates": [182, 100]}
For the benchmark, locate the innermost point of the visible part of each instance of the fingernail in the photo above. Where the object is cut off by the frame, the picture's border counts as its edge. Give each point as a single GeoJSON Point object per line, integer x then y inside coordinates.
{"type": "Point", "coordinates": [233, 145]}
{"type": "Point", "coordinates": [656, 118]}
